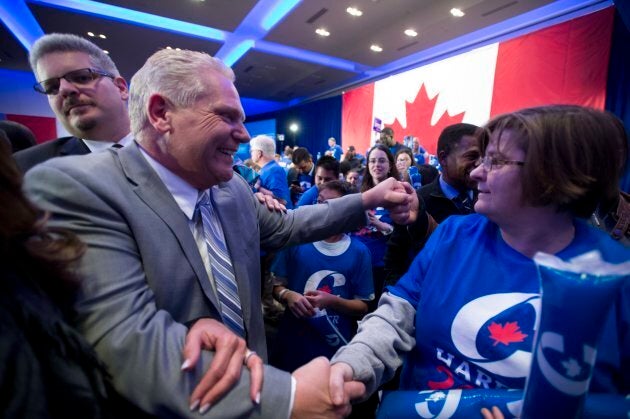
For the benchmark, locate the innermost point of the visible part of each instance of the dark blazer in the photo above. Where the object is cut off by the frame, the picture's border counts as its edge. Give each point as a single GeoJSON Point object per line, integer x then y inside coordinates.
{"type": "Point", "coordinates": [64, 146]}
{"type": "Point", "coordinates": [437, 204]}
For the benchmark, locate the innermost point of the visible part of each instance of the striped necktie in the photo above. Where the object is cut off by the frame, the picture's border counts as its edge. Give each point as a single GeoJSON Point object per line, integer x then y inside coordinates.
{"type": "Point", "coordinates": [222, 270]}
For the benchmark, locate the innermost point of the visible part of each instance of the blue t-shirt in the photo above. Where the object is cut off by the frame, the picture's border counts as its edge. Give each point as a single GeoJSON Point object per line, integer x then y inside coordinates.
{"type": "Point", "coordinates": [274, 178]}
{"type": "Point", "coordinates": [337, 151]}
{"type": "Point", "coordinates": [343, 269]}
{"type": "Point", "coordinates": [477, 300]}
{"type": "Point", "coordinates": [309, 197]}
{"type": "Point", "coordinates": [376, 241]}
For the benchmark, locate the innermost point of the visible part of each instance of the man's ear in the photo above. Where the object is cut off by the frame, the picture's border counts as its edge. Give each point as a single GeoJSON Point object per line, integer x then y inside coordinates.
{"type": "Point", "coordinates": [442, 155]}
{"type": "Point", "coordinates": [121, 84]}
{"type": "Point", "coordinates": [158, 112]}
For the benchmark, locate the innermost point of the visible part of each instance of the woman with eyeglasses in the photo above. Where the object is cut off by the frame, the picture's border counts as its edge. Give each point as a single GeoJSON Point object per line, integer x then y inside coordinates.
{"type": "Point", "coordinates": [464, 314]}
{"type": "Point", "coordinates": [380, 166]}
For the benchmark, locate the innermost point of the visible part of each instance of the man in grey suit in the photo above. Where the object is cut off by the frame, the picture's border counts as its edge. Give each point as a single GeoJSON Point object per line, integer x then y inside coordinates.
{"type": "Point", "coordinates": [86, 93]}
{"type": "Point", "coordinates": [147, 277]}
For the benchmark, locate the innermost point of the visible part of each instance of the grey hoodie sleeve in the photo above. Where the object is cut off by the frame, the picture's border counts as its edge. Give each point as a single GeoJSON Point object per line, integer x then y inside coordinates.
{"type": "Point", "coordinates": [383, 339]}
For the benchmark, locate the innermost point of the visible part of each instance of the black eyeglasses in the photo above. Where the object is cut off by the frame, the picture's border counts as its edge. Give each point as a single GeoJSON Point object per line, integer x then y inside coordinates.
{"type": "Point", "coordinates": [490, 163]}
{"type": "Point", "coordinates": [81, 77]}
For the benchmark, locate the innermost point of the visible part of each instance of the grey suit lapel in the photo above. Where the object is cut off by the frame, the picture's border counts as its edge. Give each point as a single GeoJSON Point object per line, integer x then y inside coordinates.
{"type": "Point", "coordinates": [150, 189]}
{"type": "Point", "coordinates": [223, 200]}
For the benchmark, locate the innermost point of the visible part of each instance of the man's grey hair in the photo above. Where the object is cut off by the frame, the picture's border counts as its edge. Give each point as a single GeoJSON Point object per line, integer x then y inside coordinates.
{"type": "Point", "coordinates": [174, 75]}
{"type": "Point", "coordinates": [65, 42]}
{"type": "Point", "coordinates": [265, 144]}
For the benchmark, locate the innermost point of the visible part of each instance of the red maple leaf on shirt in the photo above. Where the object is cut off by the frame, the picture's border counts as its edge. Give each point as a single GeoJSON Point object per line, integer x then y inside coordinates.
{"type": "Point", "coordinates": [506, 334]}
{"type": "Point", "coordinates": [325, 288]}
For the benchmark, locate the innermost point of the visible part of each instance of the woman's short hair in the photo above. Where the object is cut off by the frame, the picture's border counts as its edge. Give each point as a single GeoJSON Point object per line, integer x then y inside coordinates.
{"type": "Point", "coordinates": [572, 154]}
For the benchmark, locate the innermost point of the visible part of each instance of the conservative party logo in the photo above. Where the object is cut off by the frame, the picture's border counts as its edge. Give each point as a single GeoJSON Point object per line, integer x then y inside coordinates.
{"type": "Point", "coordinates": [325, 280]}
{"type": "Point", "coordinates": [496, 332]}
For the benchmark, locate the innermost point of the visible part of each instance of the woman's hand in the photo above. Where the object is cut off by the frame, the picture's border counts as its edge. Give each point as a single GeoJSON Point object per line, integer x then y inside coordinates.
{"type": "Point", "coordinates": [230, 353]}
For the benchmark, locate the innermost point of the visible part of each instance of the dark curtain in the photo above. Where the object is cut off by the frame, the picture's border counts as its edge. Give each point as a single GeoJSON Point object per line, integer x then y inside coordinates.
{"type": "Point", "coordinates": [317, 122]}
{"type": "Point", "coordinates": [617, 97]}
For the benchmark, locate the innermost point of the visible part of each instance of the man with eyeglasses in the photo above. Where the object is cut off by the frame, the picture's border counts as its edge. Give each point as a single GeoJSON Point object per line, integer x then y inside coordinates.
{"type": "Point", "coordinates": [85, 91]}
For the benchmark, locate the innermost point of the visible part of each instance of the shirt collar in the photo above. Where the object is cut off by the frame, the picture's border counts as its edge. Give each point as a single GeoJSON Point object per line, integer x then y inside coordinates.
{"type": "Point", "coordinates": [184, 194]}
{"type": "Point", "coordinates": [95, 145]}
{"type": "Point", "coordinates": [450, 192]}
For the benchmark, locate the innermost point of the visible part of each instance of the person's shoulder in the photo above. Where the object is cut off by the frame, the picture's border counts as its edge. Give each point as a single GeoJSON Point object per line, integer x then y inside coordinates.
{"type": "Point", "coordinates": [430, 188]}
{"type": "Point", "coordinates": [460, 226]}
{"type": "Point", "coordinates": [357, 244]}
{"type": "Point", "coordinates": [39, 153]}
{"type": "Point", "coordinates": [594, 238]}
{"type": "Point", "coordinates": [48, 145]}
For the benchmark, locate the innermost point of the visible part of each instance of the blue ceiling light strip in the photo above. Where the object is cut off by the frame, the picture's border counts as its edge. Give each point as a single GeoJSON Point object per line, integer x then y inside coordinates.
{"type": "Point", "coordinates": [310, 56]}
{"type": "Point", "coordinates": [258, 22]}
{"type": "Point", "coordinates": [231, 55]}
{"type": "Point", "coordinates": [18, 19]}
{"type": "Point", "coordinates": [136, 18]}
{"type": "Point", "coordinates": [277, 12]}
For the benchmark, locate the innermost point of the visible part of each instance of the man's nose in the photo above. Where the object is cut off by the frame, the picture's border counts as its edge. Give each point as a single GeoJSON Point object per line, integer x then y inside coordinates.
{"type": "Point", "coordinates": [66, 88]}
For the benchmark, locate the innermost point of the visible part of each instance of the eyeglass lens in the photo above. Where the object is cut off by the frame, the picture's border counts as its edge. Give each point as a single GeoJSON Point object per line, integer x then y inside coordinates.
{"type": "Point", "coordinates": [79, 77]}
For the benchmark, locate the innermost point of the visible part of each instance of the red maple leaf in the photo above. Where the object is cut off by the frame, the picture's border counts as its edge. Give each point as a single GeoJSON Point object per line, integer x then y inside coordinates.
{"type": "Point", "coordinates": [325, 288]}
{"type": "Point", "coordinates": [506, 334]}
{"type": "Point", "coordinates": [419, 121]}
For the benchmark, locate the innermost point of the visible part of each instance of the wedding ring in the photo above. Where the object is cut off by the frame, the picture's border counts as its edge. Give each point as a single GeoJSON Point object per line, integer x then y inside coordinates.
{"type": "Point", "coordinates": [248, 354]}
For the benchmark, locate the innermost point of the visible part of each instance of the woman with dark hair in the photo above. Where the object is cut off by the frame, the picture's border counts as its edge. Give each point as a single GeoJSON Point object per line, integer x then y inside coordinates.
{"type": "Point", "coordinates": [380, 166]}
{"type": "Point", "coordinates": [48, 369]}
{"type": "Point", "coordinates": [464, 315]}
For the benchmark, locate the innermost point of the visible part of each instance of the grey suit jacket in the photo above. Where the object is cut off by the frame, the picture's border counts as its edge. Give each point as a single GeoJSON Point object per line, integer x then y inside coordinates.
{"type": "Point", "coordinates": [64, 146]}
{"type": "Point", "coordinates": [143, 277]}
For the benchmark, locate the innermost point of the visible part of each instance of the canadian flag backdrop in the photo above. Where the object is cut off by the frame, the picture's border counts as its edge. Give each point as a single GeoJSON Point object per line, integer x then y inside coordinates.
{"type": "Point", "coordinates": [565, 63]}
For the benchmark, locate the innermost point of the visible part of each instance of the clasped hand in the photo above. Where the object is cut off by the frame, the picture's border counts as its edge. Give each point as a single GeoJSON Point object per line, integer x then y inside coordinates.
{"type": "Point", "coordinates": [225, 368]}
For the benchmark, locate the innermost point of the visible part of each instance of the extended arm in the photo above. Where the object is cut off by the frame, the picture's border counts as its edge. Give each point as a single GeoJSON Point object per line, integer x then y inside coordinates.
{"type": "Point", "coordinates": [376, 351]}
{"type": "Point", "coordinates": [118, 311]}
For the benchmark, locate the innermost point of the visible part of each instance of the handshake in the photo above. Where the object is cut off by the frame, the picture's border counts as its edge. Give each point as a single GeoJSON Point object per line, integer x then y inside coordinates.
{"type": "Point", "coordinates": [324, 391]}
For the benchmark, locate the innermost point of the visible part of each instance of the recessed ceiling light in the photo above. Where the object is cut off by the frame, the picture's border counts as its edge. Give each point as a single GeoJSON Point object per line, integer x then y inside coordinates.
{"type": "Point", "coordinates": [102, 36]}
{"type": "Point", "coordinates": [354, 11]}
{"type": "Point", "coordinates": [457, 12]}
{"type": "Point", "coordinates": [376, 48]}
{"type": "Point", "coordinates": [91, 34]}
{"type": "Point", "coordinates": [105, 51]}
{"type": "Point", "coordinates": [411, 32]}
{"type": "Point", "coordinates": [322, 32]}
{"type": "Point", "coordinates": [178, 49]}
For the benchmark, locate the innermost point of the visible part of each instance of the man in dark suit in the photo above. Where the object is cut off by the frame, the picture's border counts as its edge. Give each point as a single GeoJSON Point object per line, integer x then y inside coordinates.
{"type": "Point", "coordinates": [150, 270]}
{"type": "Point", "coordinates": [453, 192]}
{"type": "Point", "coordinates": [87, 94]}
